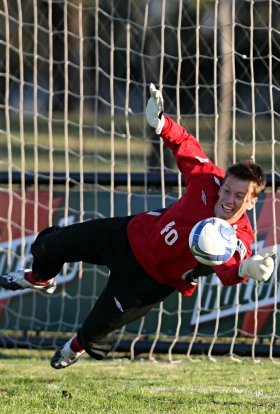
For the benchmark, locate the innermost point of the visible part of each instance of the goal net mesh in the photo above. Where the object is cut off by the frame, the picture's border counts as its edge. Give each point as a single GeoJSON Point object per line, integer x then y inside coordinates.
{"type": "Point", "coordinates": [74, 82]}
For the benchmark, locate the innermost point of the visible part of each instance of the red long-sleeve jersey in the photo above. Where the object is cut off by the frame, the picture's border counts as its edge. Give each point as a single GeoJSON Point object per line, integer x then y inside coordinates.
{"type": "Point", "coordinates": [159, 239]}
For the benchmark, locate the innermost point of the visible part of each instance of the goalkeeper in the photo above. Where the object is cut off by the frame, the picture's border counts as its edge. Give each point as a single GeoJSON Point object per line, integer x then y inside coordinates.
{"type": "Point", "coordinates": [148, 254]}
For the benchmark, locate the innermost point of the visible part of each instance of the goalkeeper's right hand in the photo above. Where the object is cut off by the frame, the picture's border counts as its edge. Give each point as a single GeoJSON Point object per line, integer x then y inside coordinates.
{"type": "Point", "coordinates": [154, 109]}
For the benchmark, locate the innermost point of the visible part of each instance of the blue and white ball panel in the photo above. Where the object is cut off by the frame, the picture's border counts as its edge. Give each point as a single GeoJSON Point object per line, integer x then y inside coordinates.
{"type": "Point", "coordinates": [213, 241]}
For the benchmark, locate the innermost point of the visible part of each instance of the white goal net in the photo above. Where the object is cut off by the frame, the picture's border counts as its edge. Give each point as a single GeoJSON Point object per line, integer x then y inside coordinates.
{"type": "Point", "coordinates": [74, 143]}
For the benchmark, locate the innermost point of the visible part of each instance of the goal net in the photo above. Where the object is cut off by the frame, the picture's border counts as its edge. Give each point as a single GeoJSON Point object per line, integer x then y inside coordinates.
{"type": "Point", "coordinates": [74, 79]}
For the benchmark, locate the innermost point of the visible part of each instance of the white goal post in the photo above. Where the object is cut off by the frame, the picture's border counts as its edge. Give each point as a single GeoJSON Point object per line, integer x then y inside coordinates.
{"type": "Point", "coordinates": [74, 143]}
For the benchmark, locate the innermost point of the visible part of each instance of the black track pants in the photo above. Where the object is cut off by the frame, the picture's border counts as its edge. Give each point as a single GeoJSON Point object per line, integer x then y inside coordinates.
{"type": "Point", "coordinates": [130, 292]}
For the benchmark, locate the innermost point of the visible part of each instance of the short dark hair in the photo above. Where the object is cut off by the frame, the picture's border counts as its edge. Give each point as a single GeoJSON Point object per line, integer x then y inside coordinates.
{"type": "Point", "coordinates": [248, 170]}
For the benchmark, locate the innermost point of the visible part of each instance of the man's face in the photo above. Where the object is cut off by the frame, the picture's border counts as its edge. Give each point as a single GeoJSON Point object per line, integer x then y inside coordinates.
{"type": "Point", "coordinates": [235, 197]}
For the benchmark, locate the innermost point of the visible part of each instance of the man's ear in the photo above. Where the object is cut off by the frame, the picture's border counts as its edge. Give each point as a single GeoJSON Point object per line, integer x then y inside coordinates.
{"type": "Point", "coordinates": [252, 203]}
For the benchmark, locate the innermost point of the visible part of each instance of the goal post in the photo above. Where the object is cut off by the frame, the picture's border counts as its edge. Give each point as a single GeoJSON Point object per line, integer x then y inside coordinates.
{"type": "Point", "coordinates": [74, 78]}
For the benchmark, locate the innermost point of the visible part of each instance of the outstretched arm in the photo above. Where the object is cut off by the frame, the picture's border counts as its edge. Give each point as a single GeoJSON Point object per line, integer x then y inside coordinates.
{"type": "Point", "coordinates": [259, 267]}
{"type": "Point", "coordinates": [189, 154]}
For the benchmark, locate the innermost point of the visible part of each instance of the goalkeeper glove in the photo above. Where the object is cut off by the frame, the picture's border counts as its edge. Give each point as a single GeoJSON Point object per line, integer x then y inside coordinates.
{"type": "Point", "coordinates": [260, 266]}
{"type": "Point", "coordinates": [200, 270]}
{"type": "Point", "coordinates": [154, 109]}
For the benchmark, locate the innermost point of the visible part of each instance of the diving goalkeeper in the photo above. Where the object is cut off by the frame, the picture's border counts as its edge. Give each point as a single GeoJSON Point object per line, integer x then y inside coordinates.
{"type": "Point", "coordinates": [148, 254]}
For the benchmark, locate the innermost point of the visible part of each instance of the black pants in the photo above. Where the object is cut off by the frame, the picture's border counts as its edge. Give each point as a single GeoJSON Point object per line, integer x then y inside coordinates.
{"type": "Point", "coordinates": [130, 292]}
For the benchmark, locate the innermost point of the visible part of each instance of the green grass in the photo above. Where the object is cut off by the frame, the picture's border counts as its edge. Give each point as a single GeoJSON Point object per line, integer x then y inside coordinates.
{"type": "Point", "coordinates": [30, 385]}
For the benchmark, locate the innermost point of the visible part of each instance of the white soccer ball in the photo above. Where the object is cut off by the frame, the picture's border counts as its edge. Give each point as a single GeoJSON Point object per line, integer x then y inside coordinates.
{"type": "Point", "coordinates": [213, 241]}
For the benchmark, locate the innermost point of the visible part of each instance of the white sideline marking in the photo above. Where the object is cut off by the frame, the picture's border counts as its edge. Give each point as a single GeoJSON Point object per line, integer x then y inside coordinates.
{"type": "Point", "coordinates": [253, 393]}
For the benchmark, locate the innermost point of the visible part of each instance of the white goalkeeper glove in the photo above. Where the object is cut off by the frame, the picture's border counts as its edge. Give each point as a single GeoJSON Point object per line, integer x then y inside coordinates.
{"type": "Point", "coordinates": [260, 266]}
{"type": "Point", "coordinates": [154, 109]}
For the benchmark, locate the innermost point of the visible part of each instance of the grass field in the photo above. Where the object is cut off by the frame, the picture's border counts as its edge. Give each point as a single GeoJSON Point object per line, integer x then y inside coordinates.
{"type": "Point", "coordinates": [30, 385]}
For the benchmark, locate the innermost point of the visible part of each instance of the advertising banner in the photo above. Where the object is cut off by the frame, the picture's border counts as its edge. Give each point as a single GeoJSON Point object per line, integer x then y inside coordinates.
{"type": "Point", "coordinates": [253, 307]}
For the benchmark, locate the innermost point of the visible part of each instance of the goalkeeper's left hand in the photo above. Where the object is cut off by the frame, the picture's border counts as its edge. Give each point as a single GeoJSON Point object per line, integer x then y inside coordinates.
{"type": "Point", "coordinates": [154, 109]}
{"type": "Point", "coordinates": [198, 271]}
{"type": "Point", "coordinates": [260, 266]}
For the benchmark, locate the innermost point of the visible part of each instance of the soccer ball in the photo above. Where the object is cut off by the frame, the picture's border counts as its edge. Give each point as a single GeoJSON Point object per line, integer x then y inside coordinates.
{"type": "Point", "coordinates": [212, 241]}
